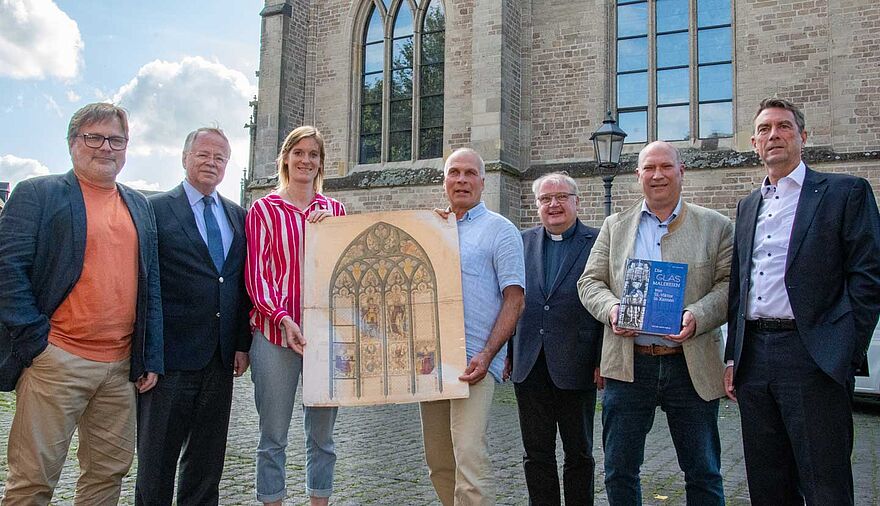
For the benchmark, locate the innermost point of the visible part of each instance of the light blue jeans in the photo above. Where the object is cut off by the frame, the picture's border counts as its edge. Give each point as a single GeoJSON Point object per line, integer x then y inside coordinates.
{"type": "Point", "coordinates": [275, 372]}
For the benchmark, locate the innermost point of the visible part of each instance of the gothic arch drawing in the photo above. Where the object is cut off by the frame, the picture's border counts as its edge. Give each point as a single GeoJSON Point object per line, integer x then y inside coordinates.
{"type": "Point", "coordinates": [384, 317]}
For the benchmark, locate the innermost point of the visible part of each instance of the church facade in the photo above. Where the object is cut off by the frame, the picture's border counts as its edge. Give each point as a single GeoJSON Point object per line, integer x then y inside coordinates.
{"type": "Point", "coordinates": [396, 85]}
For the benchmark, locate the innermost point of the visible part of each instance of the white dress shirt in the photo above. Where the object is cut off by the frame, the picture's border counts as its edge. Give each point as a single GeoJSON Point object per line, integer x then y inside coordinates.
{"type": "Point", "coordinates": [767, 295]}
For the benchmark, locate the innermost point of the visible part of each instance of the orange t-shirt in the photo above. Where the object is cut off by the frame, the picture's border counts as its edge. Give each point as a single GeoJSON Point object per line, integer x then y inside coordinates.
{"type": "Point", "coordinates": [96, 320]}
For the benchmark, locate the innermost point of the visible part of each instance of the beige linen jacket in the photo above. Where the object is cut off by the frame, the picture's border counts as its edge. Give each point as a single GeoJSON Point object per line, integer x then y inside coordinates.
{"type": "Point", "coordinates": [699, 237]}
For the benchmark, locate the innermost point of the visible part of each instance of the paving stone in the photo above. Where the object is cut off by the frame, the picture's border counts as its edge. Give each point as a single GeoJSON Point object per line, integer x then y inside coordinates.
{"type": "Point", "coordinates": [381, 459]}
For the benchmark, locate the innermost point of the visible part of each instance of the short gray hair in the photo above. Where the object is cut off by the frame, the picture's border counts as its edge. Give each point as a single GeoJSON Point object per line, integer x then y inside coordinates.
{"type": "Point", "coordinates": [95, 113]}
{"type": "Point", "coordinates": [470, 151]}
{"type": "Point", "coordinates": [191, 137]}
{"type": "Point", "coordinates": [556, 177]}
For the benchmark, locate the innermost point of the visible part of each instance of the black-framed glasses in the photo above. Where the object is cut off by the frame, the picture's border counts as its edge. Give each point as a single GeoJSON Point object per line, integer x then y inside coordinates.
{"type": "Point", "coordinates": [547, 198]}
{"type": "Point", "coordinates": [97, 140]}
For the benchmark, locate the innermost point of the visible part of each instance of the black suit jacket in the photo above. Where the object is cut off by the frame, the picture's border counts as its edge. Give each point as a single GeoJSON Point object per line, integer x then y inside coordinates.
{"type": "Point", "coordinates": [554, 318]}
{"type": "Point", "coordinates": [832, 272]}
{"type": "Point", "coordinates": [202, 308]}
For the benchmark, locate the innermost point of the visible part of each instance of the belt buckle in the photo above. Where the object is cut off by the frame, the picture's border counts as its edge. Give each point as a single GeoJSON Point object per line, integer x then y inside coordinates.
{"type": "Point", "coordinates": [654, 348]}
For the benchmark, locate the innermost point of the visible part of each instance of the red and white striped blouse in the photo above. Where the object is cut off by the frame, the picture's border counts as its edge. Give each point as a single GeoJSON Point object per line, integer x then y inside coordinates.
{"type": "Point", "coordinates": [275, 232]}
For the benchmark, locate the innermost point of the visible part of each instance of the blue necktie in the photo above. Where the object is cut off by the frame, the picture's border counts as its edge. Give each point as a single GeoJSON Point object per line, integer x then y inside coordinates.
{"type": "Point", "coordinates": [215, 242]}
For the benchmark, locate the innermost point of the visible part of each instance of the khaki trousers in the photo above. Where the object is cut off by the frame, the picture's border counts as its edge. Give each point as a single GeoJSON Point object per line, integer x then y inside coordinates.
{"type": "Point", "coordinates": [58, 393]}
{"type": "Point", "coordinates": [457, 447]}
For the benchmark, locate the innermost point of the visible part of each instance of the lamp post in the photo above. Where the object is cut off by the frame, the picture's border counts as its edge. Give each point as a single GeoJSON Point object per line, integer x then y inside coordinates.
{"type": "Point", "coordinates": [607, 144]}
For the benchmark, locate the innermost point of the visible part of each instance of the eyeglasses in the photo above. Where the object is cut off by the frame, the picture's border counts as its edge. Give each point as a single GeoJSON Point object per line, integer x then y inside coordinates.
{"type": "Point", "coordinates": [204, 156]}
{"type": "Point", "coordinates": [97, 140]}
{"type": "Point", "coordinates": [547, 198]}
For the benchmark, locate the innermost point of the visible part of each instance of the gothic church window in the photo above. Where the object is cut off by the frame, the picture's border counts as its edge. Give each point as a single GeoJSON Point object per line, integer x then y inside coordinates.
{"type": "Point", "coordinates": [403, 46]}
{"type": "Point", "coordinates": [384, 328]}
{"type": "Point", "coordinates": [674, 69]}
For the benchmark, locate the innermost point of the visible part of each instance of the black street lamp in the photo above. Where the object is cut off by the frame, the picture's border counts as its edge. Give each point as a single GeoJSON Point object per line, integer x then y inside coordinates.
{"type": "Point", "coordinates": [607, 144]}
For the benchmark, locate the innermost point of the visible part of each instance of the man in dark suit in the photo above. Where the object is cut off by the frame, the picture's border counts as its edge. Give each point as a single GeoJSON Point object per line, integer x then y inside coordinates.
{"type": "Point", "coordinates": [201, 254]}
{"type": "Point", "coordinates": [804, 300]}
{"type": "Point", "coordinates": [80, 315]}
{"type": "Point", "coordinates": [556, 349]}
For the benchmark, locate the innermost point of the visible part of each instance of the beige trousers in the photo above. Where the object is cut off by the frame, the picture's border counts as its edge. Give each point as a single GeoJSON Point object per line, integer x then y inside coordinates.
{"type": "Point", "coordinates": [457, 447]}
{"type": "Point", "coordinates": [57, 394]}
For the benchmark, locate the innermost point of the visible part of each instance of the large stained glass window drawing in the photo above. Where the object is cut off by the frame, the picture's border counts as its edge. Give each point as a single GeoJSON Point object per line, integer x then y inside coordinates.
{"type": "Point", "coordinates": [390, 350]}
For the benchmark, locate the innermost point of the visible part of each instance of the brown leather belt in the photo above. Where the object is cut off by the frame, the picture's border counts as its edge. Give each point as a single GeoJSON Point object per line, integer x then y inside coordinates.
{"type": "Point", "coordinates": [657, 350]}
{"type": "Point", "coordinates": [770, 325]}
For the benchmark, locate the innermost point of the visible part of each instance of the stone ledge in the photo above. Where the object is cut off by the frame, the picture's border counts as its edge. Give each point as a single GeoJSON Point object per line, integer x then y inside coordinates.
{"type": "Point", "coordinates": [693, 159]}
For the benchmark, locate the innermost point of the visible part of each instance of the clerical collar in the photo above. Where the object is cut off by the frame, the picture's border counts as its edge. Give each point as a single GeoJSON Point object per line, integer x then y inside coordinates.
{"type": "Point", "coordinates": [565, 235]}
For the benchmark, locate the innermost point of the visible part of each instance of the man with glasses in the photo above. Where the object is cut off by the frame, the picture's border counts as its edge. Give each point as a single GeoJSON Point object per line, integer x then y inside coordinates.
{"type": "Point", "coordinates": [554, 355]}
{"type": "Point", "coordinates": [80, 315]}
{"type": "Point", "coordinates": [207, 335]}
{"type": "Point", "coordinates": [682, 372]}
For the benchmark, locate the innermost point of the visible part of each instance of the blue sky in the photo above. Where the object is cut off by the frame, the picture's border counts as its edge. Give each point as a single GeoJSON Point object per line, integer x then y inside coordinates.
{"type": "Point", "coordinates": [175, 65]}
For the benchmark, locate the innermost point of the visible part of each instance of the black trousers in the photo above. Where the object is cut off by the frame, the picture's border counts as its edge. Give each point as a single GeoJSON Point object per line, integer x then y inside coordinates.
{"type": "Point", "coordinates": [188, 412]}
{"type": "Point", "coordinates": [796, 422]}
{"type": "Point", "coordinates": [542, 409]}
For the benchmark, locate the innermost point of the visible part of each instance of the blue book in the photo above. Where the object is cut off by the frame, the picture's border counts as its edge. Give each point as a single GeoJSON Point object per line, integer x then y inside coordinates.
{"type": "Point", "coordinates": [653, 296]}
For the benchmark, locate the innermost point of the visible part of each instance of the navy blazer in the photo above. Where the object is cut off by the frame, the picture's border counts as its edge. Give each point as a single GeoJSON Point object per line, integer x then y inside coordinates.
{"type": "Point", "coordinates": [832, 272]}
{"type": "Point", "coordinates": [554, 318]}
{"type": "Point", "coordinates": [42, 246]}
{"type": "Point", "coordinates": [202, 308]}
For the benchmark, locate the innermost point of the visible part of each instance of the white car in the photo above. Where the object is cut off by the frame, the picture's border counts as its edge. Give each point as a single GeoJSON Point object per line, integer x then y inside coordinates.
{"type": "Point", "coordinates": [869, 386]}
{"type": "Point", "coordinates": [866, 386]}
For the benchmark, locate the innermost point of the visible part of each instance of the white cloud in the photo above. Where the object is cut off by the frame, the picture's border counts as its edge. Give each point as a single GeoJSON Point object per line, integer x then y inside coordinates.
{"type": "Point", "coordinates": [140, 184]}
{"type": "Point", "coordinates": [14, 169]}
{"type": "Point", "coordinates": [166, 101]}
{"type": "Point", "coordinates": [38, 40]}
{"type": "Point", "coordinates": [71, 95]}
{"type": "Point", "coordinates": [52, 105]}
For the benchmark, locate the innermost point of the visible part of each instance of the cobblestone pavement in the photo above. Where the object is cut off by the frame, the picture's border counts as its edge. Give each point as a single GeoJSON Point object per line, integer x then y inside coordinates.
{"type": "Point", "coordinates": [381, 459]}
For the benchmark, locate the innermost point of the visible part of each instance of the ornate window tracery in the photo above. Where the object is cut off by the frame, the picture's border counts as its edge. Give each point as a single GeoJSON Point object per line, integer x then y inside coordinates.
{"type": "Point", "coordinates": [384, 325]}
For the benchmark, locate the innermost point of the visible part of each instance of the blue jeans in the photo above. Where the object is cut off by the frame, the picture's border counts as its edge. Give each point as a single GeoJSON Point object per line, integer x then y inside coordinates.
{"type": "Point", "coordinates": [275, 372]}
{"type": "Point", "coordinates": [628, 414]}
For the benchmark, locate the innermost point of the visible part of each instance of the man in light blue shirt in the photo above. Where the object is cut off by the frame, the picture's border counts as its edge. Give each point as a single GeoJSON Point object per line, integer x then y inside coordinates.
{"type": "Point", "coordinates": [492, 281]}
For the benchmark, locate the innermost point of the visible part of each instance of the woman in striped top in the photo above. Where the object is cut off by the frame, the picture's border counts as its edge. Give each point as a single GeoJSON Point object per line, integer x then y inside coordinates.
{"type": "Point", "coordinates": [275, 240]}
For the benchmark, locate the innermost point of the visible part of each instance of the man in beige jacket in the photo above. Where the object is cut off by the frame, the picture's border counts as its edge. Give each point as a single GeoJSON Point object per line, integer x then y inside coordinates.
{"type": "Point", "coordinates": [682, 373]}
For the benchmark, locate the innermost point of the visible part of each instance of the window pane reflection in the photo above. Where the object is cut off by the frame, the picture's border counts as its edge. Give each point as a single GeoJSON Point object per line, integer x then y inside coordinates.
{"type": "Point", "coordinates": [432, 47]}
{"type": "Point", "coordinates": [632, 19]}
{"type": "Point", "coordinates": [713, 12]}
{"type": "Point", "coordinates": [371, 119]}
{"type": "Point", "coordinates": [435, 20]}
{"type": "Point", "coordinates": [632, 54]}
{"type": "Point", "coordinates": [372, 90]}
{"type": "Point", "coordinates": [370, 145]}
{"type": "Point", "coordinates": [376, 32]}
{"type": "Point", "coordinates": [401, 83]}
{"type": "Point", "coordinates": [716, 120]}
{"type": "Point", "coordinates": [673, 123]}
{"type": "Point", "coordinates": [374, 56]}
{"type": "Point", "coordinates": [714, 45]}
{"type": "Point", "coordinates": [401, 146]}
{"type": "Point", "coordinates": [632, 90]}
{"type": "Point", "coordinates": [635, 124]}
{"type": "Point", "coordinates": [671, 15]}
{"type": "Point", "coordinates": [672, 86]}
{"type": "Point", "coordinates": [402, 55]}
{"type": "Point", "coordinates": [431, 112]}
{"type": "Point", "coordinates": [432, 79]}
{"type": "Point", "coordinates": [672, 50]}
{"type": "Point", "coordinates": [716, 82]}
{"type": "Point", "coordinates": [430, 143]}
{"type": "Point", "coordinates": [403, 24]}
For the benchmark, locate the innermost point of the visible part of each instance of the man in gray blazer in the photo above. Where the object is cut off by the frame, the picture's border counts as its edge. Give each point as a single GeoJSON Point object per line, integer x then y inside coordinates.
{"type": "Point", "coordinates": [80, 315]}
{"type": "Point", "coordinates": [682, 373]}
{"type": "Point", "coordinates": [555, 351]}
